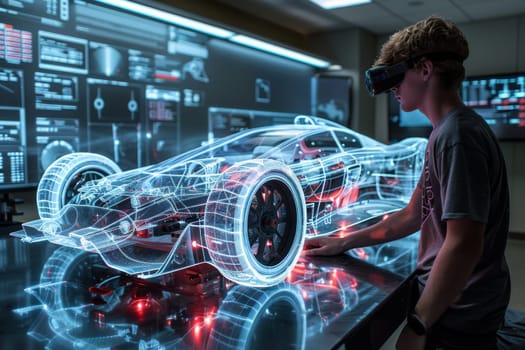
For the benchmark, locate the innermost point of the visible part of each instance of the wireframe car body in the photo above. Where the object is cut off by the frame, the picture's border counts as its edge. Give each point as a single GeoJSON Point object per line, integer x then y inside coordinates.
{"type": "Point", "coordinates": [244, 203]}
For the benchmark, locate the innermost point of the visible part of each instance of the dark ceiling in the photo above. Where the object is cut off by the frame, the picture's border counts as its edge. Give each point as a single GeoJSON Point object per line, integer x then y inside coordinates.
{"type": "Point", "coordinates": [379, 17]}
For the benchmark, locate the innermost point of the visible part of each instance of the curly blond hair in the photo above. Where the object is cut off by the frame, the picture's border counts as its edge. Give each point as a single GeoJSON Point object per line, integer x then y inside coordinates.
{"type": "Point", "coordinates": [426, 38]}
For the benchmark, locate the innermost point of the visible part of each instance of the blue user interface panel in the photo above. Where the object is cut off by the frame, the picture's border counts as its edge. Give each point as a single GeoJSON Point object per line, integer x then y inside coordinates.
{"type": "Point", "coordinates": [86, 76]}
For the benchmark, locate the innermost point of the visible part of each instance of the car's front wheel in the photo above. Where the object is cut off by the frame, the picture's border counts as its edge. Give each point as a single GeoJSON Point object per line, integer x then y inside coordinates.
{"type": "Point", "coordinates": [64, 177]}
{"type": "Point", "coordinates": [256, 222]}
{"type": "Point", "coordinates": [249, 318]}
{"type": "Point", "coordinates": [65, 280]}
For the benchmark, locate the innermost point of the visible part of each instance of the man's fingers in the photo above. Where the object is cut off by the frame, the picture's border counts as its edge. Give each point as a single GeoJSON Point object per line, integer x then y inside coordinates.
{"type": "Point", "coordinates": [313, 251]}
{"type": "Point", "coordinates": [319, 246]}
{"type": "Point", "coordinates": [312, 243]}
{"type": "Point", "coordinates": [318, 249]}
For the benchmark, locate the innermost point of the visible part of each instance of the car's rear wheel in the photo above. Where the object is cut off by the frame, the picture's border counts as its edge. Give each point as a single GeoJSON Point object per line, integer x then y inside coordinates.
{"type": "Point", "coordinates": [63, 178]}
{"type": "Point", "coordinates": [255, 222]}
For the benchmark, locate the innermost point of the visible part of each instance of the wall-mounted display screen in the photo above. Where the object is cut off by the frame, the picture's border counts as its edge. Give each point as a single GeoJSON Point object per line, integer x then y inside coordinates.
{"type": "Point", "coordinates": [79, 75]}
{"type": "Point", "coordinates": [331, 98]}
{"type": "Point", "coordinates": [500, 99]}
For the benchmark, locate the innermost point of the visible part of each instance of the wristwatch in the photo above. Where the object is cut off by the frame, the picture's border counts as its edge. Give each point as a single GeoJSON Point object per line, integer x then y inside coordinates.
{"type": "Point", "coordinates": [416, 323]}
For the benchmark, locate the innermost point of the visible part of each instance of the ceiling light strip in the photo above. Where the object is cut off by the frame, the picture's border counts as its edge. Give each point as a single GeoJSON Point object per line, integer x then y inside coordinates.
{"type": "Point", "coordinates": [216, 32]}
{"type": "Point", "coordinates": [279, 51]}
{"type": "Point", "coordinates": [170, 18]}
{"type": "Point", "coordinates": [333, 4]}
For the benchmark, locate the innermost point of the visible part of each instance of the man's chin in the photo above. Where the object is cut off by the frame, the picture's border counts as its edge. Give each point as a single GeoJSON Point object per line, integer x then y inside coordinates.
{"type": "Point", "coordinates": [407, 109]}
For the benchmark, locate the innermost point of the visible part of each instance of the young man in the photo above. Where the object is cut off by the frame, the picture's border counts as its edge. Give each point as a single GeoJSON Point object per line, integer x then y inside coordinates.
{"type": "Point", "coordinates": [461, 204]}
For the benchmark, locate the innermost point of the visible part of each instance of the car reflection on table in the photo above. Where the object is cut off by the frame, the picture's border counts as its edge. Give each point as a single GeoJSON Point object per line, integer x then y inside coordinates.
{"type": "Point", "coordinates": [85, 305]}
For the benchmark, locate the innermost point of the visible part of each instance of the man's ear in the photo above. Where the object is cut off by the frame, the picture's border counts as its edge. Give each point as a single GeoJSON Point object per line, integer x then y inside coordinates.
{"type": "Point", "coordinates": [426, 69]}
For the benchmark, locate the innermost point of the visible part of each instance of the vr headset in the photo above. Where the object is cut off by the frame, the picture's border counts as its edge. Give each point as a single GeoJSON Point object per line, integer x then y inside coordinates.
{"type": "Point", "coordinates": [383, 78]}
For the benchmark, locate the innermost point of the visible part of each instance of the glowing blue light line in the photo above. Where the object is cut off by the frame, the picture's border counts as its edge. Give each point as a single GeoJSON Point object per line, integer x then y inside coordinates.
{"type": "Point", "coordinates": [278, 50]}
{"type": "Point", "coordinates": [170, 17]}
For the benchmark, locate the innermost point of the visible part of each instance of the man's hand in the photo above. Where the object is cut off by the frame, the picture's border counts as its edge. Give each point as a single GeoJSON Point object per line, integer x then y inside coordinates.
{"type": "Point", "coordinates": [408, 340]}
{"type": "Point", "coordinates": [324, 246]}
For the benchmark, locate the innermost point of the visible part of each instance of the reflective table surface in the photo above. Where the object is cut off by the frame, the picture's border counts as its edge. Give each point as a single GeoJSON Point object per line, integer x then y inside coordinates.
{"type": "Point", "coordinates": [58, 298]}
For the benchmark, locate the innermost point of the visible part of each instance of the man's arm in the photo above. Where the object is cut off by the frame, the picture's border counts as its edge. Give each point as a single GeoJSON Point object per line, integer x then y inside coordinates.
{"type": "Point", "coordinates": [454, 264]}
{"type": "Point", "coordinates": [397, 225]}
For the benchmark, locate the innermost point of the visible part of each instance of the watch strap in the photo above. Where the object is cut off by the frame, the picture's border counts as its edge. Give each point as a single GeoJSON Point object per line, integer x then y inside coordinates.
{"type": "Point", "coordinates": [416, 323]}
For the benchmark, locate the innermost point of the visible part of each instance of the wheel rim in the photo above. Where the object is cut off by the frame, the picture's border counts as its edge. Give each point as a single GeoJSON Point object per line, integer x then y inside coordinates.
{"type": "Point", "coordinates": [81, 277]}
{"type": "Point", "coordinates": [272, 221]}
{"type": "Point", "coordinates": [78, 181]}
{"type": "Point", "coordinates": [79, 271]}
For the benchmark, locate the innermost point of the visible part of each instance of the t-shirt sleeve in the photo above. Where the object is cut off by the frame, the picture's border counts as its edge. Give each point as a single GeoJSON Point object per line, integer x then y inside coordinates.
{"type": "Point", "coordinates": [465, 183]}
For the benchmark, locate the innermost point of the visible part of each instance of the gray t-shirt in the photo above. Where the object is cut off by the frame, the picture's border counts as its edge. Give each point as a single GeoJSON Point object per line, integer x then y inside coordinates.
{"type": "Point", "coordinates": [465, 178]}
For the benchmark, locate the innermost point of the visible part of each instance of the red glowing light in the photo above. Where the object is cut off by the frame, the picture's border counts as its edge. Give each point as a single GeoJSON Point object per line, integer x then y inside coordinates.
{"type": "Point", "coordinates": [140, 306]}
{"type": "Point", "coordinates": [142, 234]}
{"type": "Point", "coordinates": [194, 244]}
{"type": "Point", "coordinates": [345, 228]}
{"type": "Point", "coordinates": [144, 308]}
{"type": "Point", "coordinates": [208, 319]}
{"type": "Point", "coordinates": [99, 318]}
{"type": "Point", "coordinates": [361, 253]}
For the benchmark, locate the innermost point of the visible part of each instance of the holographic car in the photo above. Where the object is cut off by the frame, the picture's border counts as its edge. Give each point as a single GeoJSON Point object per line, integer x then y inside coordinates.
{"type": "Point", "coordinates": [244, 203]}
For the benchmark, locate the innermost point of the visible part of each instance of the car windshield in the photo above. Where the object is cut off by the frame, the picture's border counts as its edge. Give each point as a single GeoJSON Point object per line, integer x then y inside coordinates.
{"type": "Point", "coordinates": [277, 142]}
{"type": "Point", "coordinates": [256, 142]}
